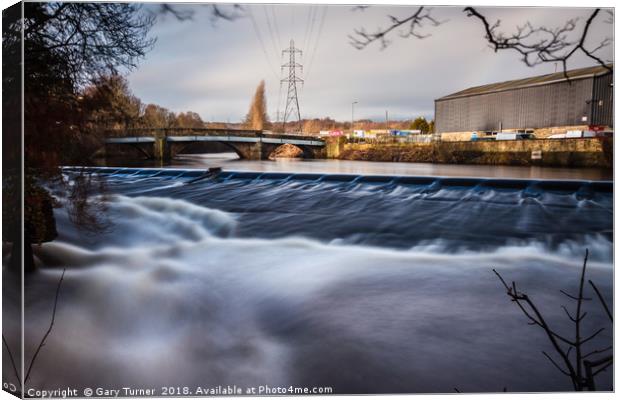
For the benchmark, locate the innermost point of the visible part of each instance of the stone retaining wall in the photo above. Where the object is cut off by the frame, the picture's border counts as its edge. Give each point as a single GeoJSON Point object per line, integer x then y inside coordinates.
{"type": "Point", "coordinates": [591, 152]}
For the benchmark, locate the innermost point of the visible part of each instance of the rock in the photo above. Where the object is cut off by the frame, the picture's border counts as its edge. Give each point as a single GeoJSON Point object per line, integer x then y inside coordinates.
{"type": "Point", "coordinates": [287, 151]}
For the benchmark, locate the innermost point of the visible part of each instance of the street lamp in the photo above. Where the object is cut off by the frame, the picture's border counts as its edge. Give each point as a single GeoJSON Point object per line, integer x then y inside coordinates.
{"type": "Point", "coordinates": [352, 113]}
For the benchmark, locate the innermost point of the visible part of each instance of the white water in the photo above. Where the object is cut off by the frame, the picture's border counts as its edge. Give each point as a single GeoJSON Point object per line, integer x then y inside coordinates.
{"type": "Point", "coordinates": [172, 297]}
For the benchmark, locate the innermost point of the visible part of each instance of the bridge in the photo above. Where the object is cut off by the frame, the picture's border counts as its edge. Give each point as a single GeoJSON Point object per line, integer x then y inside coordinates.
{"type": "Point", "coordinates": [163, 144]}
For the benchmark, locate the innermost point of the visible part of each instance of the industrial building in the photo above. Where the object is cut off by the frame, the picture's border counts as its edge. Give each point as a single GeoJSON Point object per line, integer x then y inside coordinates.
{"type": "Point", "coordinates": [545, 104]}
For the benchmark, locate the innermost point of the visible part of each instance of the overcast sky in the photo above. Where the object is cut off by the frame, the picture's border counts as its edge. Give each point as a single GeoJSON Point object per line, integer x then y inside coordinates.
{"type": "Point", "coordinates": [213, 69]}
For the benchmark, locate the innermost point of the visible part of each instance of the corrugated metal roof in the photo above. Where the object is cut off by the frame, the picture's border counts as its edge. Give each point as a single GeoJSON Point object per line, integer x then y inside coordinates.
{"type": "Point", "coordinates": [532, 81]}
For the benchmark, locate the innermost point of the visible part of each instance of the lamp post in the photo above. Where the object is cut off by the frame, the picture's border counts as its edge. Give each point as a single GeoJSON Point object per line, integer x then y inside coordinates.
{"type": "Point", "coordinates": [352, 114]}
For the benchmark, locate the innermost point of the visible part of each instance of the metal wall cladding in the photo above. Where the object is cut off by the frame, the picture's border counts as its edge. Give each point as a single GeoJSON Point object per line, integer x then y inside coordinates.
{"type": "Point", "coordinates": [602, 100]}
{"type": "Point", "coordinates": [546, 105]}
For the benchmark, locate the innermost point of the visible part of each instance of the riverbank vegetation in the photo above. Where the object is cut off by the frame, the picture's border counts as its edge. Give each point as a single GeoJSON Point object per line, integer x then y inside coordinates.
{"type": "Point", "coordinates": [112, 108]}
{"type": "Point", "coordinates": [68, 47]}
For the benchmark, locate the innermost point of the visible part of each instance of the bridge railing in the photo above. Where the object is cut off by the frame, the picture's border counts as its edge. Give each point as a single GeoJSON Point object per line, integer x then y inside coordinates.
{"type": "Point", "coordinates": [165, 132]}
{"type": "Point", "coordinates": [158, 132]}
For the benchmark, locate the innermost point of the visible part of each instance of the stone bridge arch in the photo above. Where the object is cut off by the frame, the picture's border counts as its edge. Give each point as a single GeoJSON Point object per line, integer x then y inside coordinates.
{"type": "Point", "coordinates": [164, 144]}
{"type": "Point", "coordinates": [204, 147]}
{"type": "Point", "coordinates": [246, 150]}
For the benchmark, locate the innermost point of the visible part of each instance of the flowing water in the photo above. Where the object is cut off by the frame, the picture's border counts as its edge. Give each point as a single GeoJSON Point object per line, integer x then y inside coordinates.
{"type": "Point", "coordinates": [230, 161]}
{"type": "Point", "coordinates": [366, 284]}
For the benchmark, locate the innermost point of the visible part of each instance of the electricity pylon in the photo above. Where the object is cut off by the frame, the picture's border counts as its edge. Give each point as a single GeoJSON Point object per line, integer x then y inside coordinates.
{"type": "Point", "coordinates": [292, 102]}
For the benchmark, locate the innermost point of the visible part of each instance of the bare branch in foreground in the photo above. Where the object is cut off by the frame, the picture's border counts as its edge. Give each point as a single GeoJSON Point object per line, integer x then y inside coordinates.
{"type": "Point", "coordinates": [217, 12]}
{"type": "Point", "coordinates": [412, 24]}
{"type": "Point", "coordinates": [579, 369]}
{"type": "Point", "coordinates": [8, 349]}
{"type": "Point", "coordinates": [538, 45]}
{"type": "Point", "coordinates": [49, 329]}
{"type": "Point", "coordinates": [603, 302]}
{"type": "Point", "coordinates": [534, 315]}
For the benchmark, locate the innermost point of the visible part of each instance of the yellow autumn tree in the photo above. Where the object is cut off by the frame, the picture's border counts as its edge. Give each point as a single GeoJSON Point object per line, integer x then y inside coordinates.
{"type": "Point", "coordinates": [257, 116]}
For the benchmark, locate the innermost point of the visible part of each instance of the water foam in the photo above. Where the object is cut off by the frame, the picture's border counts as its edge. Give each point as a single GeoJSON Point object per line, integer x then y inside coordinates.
{"type": "Point", "coordinates": [172, 294]}
{"type": "Point", "coordinates": [297, 311]}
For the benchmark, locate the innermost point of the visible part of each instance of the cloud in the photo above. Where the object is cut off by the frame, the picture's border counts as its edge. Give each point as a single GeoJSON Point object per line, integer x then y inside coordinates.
{"type": "Point", "coordinates": [214, 69]}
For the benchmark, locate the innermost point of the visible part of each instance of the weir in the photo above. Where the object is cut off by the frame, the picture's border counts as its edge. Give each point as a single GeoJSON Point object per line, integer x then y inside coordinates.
{"type": "Point", "coordinates": [605, 186]}
{"type": "Point", "coordinates": [359, 259]}
{"type": "Point", "coordinates": [396, 211]}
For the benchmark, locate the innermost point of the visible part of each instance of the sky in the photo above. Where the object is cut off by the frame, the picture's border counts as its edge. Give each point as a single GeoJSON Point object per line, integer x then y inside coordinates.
{"type": "Point", "coordinates": [213, 68]}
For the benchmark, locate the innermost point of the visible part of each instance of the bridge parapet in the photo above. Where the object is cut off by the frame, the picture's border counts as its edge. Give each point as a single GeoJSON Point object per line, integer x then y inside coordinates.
{"type": "Point", "coordinates": [132, 132]}
{"type": "Point", "coordinates": [159, 132]}
{"type": "Point", "coordinates": [249, 144]}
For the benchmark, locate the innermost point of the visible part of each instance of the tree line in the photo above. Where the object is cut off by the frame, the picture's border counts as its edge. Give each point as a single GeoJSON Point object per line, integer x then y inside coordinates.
{"type": "Point", "coordinates": [110, 106]}
{"type": "Point", "coordinates": [258, 118]}
{"type": "Point", "coordinates": [69, 51]}
{"type": "Point", "coordinates": [315, 125]}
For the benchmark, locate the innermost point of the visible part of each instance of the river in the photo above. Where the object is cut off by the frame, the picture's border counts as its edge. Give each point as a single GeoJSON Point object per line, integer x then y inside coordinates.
{"type": "Point", "coordinates": [364, 285]}
{"type": "Point", "coordinates": [230, 161]}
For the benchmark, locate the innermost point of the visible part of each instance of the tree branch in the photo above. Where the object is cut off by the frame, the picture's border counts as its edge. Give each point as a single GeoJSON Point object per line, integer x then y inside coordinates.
{"type": "Point", "coordinates": [597, 351]}
{"type": "Point", "coordinates": [580, 378]}
{"type": "Point", "coordinates": [539, 320]}
{"type": "Point", "coordinates": [8, 349]}
{"type": "Point", "coordinates": [603, 302]}
{"type": "Point", "coordinates": [49, 329]}
{"type": "Point", "coordinates": [555, 364]}
{"type": "Point", "coordinates": [538, 45]}
{"type": "Point", "coordinates": [361, 38]}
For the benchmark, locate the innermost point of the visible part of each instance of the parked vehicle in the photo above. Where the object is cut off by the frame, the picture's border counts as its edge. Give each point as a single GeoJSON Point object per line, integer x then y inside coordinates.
{"type": "Point", "coordinates": [581, 134]}
{"type": "Point", "coordinates": [574, 134]}
{"type": "Point", "coordinates": [514, 136]}
{"type": "Point", "coordinates": [506, 136]}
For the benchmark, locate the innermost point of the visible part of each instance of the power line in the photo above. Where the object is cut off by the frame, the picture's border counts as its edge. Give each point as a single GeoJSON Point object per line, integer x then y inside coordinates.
{"type": "Point", "coordinates": [262, 43]}
{"type": "Point", "coordinates": [308, 22]}
{"type": "Point", "coordinates": [314, 23]}
{"type": "Point", "coordinates": [308, 32]}
{"type": "Point", "coordinates": [316, 44]}
{"type": "Point", "coordinates": [272, 35]}
{"type": "Point", "coordinates": [275, 23]}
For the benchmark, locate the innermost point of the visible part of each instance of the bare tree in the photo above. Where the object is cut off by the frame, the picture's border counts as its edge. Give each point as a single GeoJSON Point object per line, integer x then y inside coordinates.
{"type": "Point", "coordinates": [87, 202]}
{"type": "Point", "coordinates": [412, 24]}
{"type": "Point", "coordinates": [91, 39]}
{"type": "Point", "coordinates": [217, 11]}
{"type": "Point", "coordinates": [538, 45]}
{"type": "Point", "coordinates": [535, 44]}
{"type": "Point", "coordinates": [41, 343]}
{"type": "Point", "coordinates": [257, 116]}
{"type": "Point", "coordinates": [580, 368]}
{"type": "Point", "coordinates": [65, 46]}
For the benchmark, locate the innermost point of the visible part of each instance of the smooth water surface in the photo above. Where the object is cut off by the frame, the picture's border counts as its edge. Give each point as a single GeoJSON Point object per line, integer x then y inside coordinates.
{"type": "Point", "coordinates": [230, 161]}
